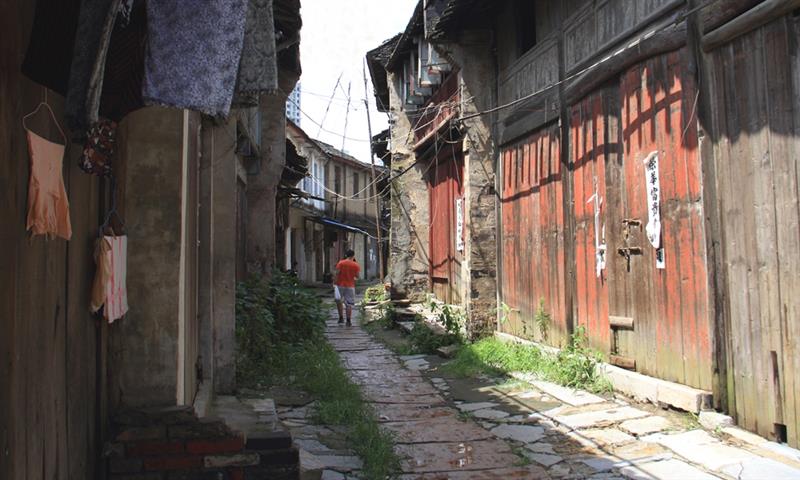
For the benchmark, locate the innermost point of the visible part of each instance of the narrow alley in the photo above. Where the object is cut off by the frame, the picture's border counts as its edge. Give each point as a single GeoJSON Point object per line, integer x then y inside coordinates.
{"type": "Point", "coordinates": [567, 233]}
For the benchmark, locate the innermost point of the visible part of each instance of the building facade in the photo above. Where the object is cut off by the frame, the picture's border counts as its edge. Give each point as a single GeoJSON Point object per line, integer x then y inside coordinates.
{"type": "Point", "coordinates": [293, 105]}
{"type": "Point", "coordinates": [182, 190]}
{"type": "Point", "coordinates": [643, 177]}
{"type": "Point", "coordinates": [335, 211]}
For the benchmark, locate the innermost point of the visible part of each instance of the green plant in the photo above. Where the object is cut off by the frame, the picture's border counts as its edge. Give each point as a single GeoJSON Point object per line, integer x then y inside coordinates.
{"type": "Point", "coordinates": [375, 293]}
{"type": "Point", "coordinates": [543, 320]}
{"type": "Point", "coordinates": [574, 366]}
{"type": "Point", "coordinates": [505, 313]}
{"type": "Point", "coordinates": [271, 314]}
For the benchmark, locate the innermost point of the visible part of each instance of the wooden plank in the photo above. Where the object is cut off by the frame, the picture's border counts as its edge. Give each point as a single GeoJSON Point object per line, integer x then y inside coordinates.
{"type": "Point", "coordinates": [620, 322]}
{"type": "Point", "coordinates": [784, 147]}
{"type": "Point", "coordinates": [748, 21]}
{"type": "Point", "coordinates": [622, 362]}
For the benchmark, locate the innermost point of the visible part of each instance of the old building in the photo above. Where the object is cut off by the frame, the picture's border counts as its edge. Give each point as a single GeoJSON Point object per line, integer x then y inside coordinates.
{"type": "Point", "coordinates": [182, 190]}
{"type": "Point", "coordinates": [442, 187]}
{"type": "Point", "coordinates": [644, 165]}
{"type": "Point", "coordinates": [336, 211]}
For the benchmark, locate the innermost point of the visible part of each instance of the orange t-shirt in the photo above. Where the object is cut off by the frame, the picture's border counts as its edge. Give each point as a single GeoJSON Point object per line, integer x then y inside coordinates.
{"type": "Point", "coordinates": [348, 271]}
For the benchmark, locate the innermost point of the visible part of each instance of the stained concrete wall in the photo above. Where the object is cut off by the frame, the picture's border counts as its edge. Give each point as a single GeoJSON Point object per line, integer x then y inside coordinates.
{"type": "Point", "coordinates": [144, 345]}
{"type": "Point", "coordinates": [409, 240]}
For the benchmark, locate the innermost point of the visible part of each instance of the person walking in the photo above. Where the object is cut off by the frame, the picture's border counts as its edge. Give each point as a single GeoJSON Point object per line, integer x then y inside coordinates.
{"type": "Point", "coordinates": [347, 271]}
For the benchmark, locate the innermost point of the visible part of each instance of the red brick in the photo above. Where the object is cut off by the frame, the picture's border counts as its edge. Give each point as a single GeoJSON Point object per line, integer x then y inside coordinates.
{"type": "Point", "coordinates": [173, 463]}
{"type": "Point", "coordinates": [221, 445]}
{"type": "Point", "coordinates": [147, 449]}
{"type": "Point", "coordinates": [236, 474]}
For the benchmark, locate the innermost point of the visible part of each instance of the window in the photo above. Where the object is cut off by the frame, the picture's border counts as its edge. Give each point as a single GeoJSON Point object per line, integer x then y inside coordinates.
{"type": "Point", "coordinates": [337, 180]}
{"type": "Point", "coordinates": [525, 13]}
{"type": "Point", "coordinates": [356, 184]}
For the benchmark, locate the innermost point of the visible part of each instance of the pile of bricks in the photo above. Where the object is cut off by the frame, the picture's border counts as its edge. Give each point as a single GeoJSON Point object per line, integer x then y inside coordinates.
{"type": "Point", "coordinates": [173, 444]}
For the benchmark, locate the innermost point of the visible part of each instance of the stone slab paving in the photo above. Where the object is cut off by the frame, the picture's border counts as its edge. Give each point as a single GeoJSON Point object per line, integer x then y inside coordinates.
{"type": "Point", "coordinates": [482, 429]}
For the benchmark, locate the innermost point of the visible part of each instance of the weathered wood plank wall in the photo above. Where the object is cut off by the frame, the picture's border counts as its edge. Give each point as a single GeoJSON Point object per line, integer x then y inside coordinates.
{"type": "Point", "coordinates": [756, 132]}
{"type": "Point", "coordinates": [48, 339]}
{"type": "Point", "coordinates": [533, 249]}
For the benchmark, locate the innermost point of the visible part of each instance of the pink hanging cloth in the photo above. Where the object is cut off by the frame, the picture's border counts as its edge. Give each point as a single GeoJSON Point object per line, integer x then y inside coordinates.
{"type": "Point", "coordinates": [48, 206]}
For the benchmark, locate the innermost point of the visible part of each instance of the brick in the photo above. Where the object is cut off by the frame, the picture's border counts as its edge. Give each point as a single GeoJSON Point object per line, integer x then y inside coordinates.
{"type": "Point", "coordinates": [146, 449]}
{"type": "Point", "coordinates": [182, 462]}
{"type": "Point", "coordinates": [140, 476]}
{"type": "Point", "coordinates": [278, 440]}
{"type": "Point", "coordinates": [238, 460]}
{"type": "Point", "coordinates": [135, 434]}
{"type": "Point", "coordinates": [203, 428]}
{"type": "Point", "coordinates": [289, 456]}
{"type": "Point", "coordinates": [221, 445]}
{"type": "Point", "coordinates": [125, 465]}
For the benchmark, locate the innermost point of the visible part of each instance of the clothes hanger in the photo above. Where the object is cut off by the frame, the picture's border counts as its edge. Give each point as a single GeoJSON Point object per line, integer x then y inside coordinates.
{"type": "Point", "coordinates": [111, 213]}
{"type": "Point", "coordinates": [52, 116]}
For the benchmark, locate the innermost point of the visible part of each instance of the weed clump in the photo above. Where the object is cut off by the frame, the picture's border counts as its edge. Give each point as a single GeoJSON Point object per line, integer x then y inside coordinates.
{"type": "Point", "coordinates": [574, 366]}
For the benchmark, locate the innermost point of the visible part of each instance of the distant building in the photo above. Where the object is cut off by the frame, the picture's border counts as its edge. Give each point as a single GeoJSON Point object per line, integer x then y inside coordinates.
{"type": "Point", "coordinates": [293, 105]}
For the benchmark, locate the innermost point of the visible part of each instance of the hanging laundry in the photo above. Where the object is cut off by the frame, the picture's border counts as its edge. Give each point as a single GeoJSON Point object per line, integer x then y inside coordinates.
{"type": "Point", "coordinates": [102, 276]}
{"type": "Point", "coordinates": [48, 207]}
{"type": "Point", "coordinates": [124, 65]}
{"type": "Point", "coordinates": [258, 68]}
{"type": "Point", "coordinates": [49, 54]}
{"type": "Point", "coordinates": [193, 54]}
{"type": "Point", "coordinates": [109, 289]}
{"type": "Point", "coordinates": [95, 24]}
{"type": "Point", "coordinates": [101, 143]}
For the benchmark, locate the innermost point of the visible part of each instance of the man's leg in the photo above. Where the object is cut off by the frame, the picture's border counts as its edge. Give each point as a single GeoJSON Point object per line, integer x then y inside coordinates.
{"type": "Point", "coordinates": [340, 308]}
{"type": "Point", "coordinates": [349, 297]}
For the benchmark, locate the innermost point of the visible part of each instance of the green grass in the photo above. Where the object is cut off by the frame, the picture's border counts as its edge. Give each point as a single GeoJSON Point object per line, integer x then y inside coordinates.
{"type": "Point", "coordinates": [574, 366]}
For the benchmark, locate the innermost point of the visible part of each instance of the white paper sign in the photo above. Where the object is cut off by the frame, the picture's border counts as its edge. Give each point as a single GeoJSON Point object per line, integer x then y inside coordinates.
{"type": "Point", "coordinates": [459, 224]}
{"type": "Point", "coordinates": [599, 233]}
{"type": "Point", "coordinates": [653, 228]}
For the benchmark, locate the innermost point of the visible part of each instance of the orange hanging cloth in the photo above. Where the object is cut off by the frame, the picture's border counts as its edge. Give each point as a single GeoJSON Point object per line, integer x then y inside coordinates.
{"type": "Point", "coordinates": [48, 207]}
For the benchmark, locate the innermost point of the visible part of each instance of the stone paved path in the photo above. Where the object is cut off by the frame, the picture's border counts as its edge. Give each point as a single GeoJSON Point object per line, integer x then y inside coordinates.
{"type": "Point", "coordinates": [448, 428]}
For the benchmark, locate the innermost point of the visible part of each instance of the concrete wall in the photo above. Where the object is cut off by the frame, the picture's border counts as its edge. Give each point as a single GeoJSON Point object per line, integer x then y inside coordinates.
{"type": "Point", "coordinates": [408, 240]}
{"type": "Point", "coordinates": [144, 345]}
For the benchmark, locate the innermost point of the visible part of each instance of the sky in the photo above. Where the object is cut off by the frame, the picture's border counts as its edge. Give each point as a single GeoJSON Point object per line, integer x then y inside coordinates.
{"type": "Point", "coordinates": [336, 36]}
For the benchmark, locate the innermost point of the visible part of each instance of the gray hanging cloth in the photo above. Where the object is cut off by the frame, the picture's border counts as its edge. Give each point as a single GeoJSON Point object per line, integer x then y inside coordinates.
{"type": "Point", "coordinates": [193, 52]}
{"type": "Point", "coordinates": [95, 24]}
{"type": "Point", "coordinates": [258, 68]}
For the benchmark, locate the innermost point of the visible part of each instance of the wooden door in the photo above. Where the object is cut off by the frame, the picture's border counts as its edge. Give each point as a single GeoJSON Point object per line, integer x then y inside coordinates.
{"type": "Point", "coordinates": [445, 190]}
{"type": "Point", "coordinates": [662, 292]}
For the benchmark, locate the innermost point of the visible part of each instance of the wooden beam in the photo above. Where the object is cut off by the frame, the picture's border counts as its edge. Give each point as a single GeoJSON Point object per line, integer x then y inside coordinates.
{"type": "Point", "coordinates": [620, 322]}
{"type": "Point", "coordinates": [622, 362]}
{"type": "Point", "coordinates": [670, 39]}
{"type": "Point", "coordinates": [757, 16]}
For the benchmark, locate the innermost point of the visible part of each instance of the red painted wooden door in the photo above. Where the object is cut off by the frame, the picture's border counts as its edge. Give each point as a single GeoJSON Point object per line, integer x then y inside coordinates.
{"type": "Point", "coordinates": [669, 304]}
{"type": "Point", "coordinates": [445, 187]}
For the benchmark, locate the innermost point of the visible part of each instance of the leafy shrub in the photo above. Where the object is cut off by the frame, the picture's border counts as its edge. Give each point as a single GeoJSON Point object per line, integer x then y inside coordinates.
{"type": "Point", "coordinates": [269, 316]}
{"type": "Point", "coordinates": [375, 293]}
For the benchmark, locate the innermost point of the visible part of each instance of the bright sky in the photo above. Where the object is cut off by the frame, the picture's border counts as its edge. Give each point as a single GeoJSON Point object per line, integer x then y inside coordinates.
{"type": "Point", "coordinates": [336, 36]}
